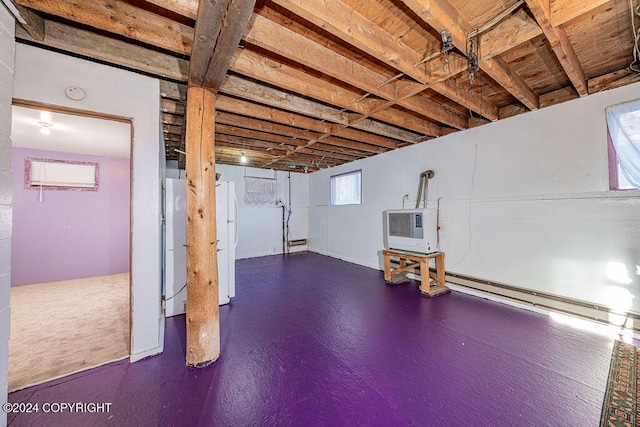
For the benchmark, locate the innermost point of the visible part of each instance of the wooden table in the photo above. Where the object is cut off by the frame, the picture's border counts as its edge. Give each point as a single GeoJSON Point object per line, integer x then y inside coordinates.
{"type": "Point", "coordinates": [411, 260]}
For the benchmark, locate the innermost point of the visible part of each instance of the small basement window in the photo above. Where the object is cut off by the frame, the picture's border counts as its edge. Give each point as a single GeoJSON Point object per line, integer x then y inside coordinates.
{"type": "Point", "coordinates": [623, 125]}
{"type": "Point", "coordinates": [346, 188]}
{"type": "Point", "coordinates": [52, 174]}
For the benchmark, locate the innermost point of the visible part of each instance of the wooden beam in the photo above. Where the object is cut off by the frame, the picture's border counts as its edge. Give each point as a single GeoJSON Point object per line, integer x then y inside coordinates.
{"type": "Point", "coordinates": [172, 90]}
{"type": "Point", "coordinates": [511, 32]}
{"type": "Point", "coordinates": [236, 150]}
{"type": "Point", "coordinates": [219, 28]}
{"type": "Point", "coordinates": [203, 317]}
{"type": "Point", "coordinates": [265, 126]}
{"type": "Point", "coordinates": [172, 119]}
{"type": "Point", "coordinates": [343, 22]}
{"type": "Point", "coordinates": [560, 44]}
{"type": "Point", "coordinates": [243, 88]}
{"type": "Point", "coordinates": [557, 96]}
{"type": "Point", "coordinates": [563, 11]}
{"type": "Point", "coordinates": [350, 144]}
{"type": "Point", "coordinates": [254, 134]}
{"type": "Point", "coordinates": [172, 107]}
{"type": "Point", "coordinates": [440, 14]}
{"type": "Point", "coordinates": [188, 8]}
{"type": "Point", "coordinates": [267, 70]}
{"type": "Point", "coordinates": [289, 44]}
{"type": "Point", "coordinates": [382, 129]}
{"type": "Point", "coordinates": [465, 97]}
{"type": "Point", "coordinates": [30, 21]}
{"type": "Point", "coordinates": [261, 68]}
{"type": "Point", "coordinates": [113, 51]}
{"type": "Point", "coordinates": [408, 121]}
{"type": "Point", "coordinates": [248, 142]}
{"type": "Point", "coordinates": [120, 18]}
{"type": "Point", "coordinates": [347, 24]}
{"type": "Point", "coordinates": [613, 80]}
{"type": "Point", "coordinates": [247, 108]}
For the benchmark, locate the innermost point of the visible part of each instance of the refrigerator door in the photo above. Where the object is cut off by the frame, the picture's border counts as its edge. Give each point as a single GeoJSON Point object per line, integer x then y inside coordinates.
{"type": "Point", "coordinates": [232, 227]}
{"type": "Point", "coordinates": [175, 252]}
{"type": "Point", "coordinates": [222, 230]}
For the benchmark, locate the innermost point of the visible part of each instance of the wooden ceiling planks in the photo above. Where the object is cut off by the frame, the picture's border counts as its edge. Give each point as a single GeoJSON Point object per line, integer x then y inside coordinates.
{"type": "Point", "coordinates": [603, 40]}
{"type": "Point", "coordinates": [337, 79]}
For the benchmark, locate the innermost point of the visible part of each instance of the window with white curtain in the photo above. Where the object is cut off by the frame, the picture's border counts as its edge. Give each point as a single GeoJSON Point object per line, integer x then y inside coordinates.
{"type": "Point", "coordinates": [346, 188]}
{"type": "Point", "coordinates": [623, 122]}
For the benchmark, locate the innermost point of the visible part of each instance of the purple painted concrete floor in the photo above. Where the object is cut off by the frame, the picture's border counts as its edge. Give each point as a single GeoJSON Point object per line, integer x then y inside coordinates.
{"type": "Point", "coordinates": [311, 340]}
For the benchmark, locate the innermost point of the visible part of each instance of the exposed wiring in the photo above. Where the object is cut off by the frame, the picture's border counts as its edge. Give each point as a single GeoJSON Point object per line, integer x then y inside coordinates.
{"type": "Point", "coordinates": [176, 294]}
{"type": "Point", "coordinates": [636, 38]}
{"type": "Point", "coordinates": [495, 20]}
{"type": "Point", "coordinates": [438, 222]}
{"type": "Point", "coordinates": [473, 177]}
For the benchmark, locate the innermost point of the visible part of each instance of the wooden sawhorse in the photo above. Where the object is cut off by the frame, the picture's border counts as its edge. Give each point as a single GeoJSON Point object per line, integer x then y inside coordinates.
{"type": "Point", "coordinates": [428, 287]}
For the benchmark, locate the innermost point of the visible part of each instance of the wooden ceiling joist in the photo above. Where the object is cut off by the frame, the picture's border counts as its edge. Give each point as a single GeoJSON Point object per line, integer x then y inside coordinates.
{"type": "Point", "coordinates": [563, 11]}
{"type": "Point", "coordinates": [560, 44]}
{"type": "Point", "coordinates": [173, 90]}
{"type": "Point", "coordinates": [172, 119]}
{"type": "Point", "coordinates": [250, 109]}
{"type": "Point", "coordinates": [30, 21]}
{"type": "Point", "coordinates": [264, 126]}
{"type": "Point", "coordinates": [440, 14]}
{"type": "Point", "coordinates": [255, 92]}
{"type": "Point", "coordinates": [121, 18]}
{"type": "Point", "coordinates": [261, 68]}
{"type": "Point", "coordinates": [513, 31]}
{"type": "Point", "coordinates": [346, 24]}
{"type": "Point", "coordinates": [342, 79]}
{"type": "Point", "coordinates": [172, 107]}
{"type": "Point", "coordinates": [257, 135]}
{"type": "Point", "coordinates": [219, 27]}
{"type": "Point", "coordinates": [114, 51]}
{"type": "Point", "coordinates": [272, 37]}
{"type": "Point", "coordinates": [289, 44]}
{"type": "Point", "coordinates": [188, 8]}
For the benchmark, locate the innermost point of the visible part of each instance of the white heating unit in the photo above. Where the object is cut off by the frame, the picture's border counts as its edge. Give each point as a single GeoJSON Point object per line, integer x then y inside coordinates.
{"type": "Point", "coordinates": [175, 240]}
{"type": "Point", "coordinates": [412, 230]}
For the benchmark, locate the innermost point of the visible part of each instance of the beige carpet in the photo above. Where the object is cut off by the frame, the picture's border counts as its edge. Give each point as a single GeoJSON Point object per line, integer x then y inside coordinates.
{"type": "Point", "coordinates": [62, 327]}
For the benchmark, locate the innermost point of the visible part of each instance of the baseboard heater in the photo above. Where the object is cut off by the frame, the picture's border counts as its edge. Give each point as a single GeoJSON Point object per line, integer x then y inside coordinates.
{"type": "Point", "coordinates": [298, 242]}
{"type": "Point", "coordinates": [574, 307]}
{"type": "Point", "coordinates": [546, 301]}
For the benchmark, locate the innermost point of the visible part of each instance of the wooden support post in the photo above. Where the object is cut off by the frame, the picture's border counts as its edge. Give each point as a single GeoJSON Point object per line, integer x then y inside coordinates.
{"type": "Point", "coordinates": [203, 317]}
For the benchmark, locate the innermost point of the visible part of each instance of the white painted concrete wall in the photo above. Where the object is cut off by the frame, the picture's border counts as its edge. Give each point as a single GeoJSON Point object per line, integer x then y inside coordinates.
{"type": "Point", "coordinates": [525, 201]}
{"type": "Point", "coordinates": [7, 50]}
{"type": "Point", "coordinates": [260, 227]}
{"type": "Point", "coordinates": [42, 76]}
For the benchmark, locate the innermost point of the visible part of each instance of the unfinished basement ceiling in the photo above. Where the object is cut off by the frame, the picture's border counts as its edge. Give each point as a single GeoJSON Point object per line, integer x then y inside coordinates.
{"type": "Point", "coordinates": [318, 83]}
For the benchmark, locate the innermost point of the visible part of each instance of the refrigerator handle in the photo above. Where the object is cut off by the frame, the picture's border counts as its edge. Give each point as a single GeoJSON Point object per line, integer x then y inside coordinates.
{"type": "Point", "coordinates": [235, 200]}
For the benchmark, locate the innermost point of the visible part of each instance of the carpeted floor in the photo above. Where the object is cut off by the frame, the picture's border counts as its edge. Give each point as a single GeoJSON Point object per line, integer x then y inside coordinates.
{"type": "Point", "coordinates": [63, 327]}
{"type": "Point", "coordinates": [620, 407]}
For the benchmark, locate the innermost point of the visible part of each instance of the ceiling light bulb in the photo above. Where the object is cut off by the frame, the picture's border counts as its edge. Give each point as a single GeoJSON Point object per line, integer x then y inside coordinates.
{"type": "Point", "coordinates": [243, 158]}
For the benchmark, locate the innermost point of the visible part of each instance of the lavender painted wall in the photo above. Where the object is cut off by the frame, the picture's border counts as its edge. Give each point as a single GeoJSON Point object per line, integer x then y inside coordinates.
{"type": "Point", "coordinates": [71, 234]}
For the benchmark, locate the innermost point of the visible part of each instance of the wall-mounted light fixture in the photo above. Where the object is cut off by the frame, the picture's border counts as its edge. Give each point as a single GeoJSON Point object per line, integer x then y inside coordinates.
{"type": "Point", "coordinates": [243, 158]}
{"type": "Point", "coordinates": [45, 122]}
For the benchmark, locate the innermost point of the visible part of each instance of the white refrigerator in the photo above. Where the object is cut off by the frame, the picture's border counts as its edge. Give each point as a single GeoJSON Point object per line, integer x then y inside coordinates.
{"type": "Point", "coordinates": [175, 240]}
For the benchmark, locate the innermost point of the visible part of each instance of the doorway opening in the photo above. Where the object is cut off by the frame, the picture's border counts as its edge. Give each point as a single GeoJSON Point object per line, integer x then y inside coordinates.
{"type": "Point", "coordinates": [71, 244]}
